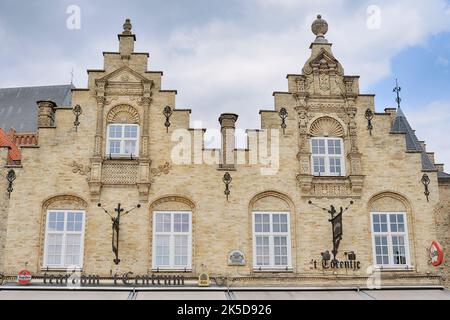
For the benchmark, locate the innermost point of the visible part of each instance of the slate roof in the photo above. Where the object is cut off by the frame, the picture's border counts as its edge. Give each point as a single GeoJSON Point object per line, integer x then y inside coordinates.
{"type": "Point", "coordinates": [443, 175]}
{"type": "Point", "coordinates": [18, 108]}
{"type": "Point", "coordinates": [401, 125]}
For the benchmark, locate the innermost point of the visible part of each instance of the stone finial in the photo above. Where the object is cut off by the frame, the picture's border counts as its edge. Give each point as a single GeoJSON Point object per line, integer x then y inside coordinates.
{"type": "Point", "coordinates": [127, 26]}
{"type": "Point", "coordinates": [320, 28]}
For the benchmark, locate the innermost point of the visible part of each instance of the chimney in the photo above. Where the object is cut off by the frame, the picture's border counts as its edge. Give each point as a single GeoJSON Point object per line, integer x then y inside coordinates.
{"type": "Point", "coordinates": [126, 40]}
{"type": "Point", "coordinates": [46, 114]}
{"type": "Point", "coordinates": [228, 128]}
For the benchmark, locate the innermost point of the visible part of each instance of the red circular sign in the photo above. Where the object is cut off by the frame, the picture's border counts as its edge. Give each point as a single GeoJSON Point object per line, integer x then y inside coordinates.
{"type": "Point", "coordinates": [24, 277]}
{"type": "Point", "coordinates": [436, 254]}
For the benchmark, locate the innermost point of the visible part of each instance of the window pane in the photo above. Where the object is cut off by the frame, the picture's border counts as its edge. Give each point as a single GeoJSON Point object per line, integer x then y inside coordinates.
{"type": "Point", "coordinates": [334, 147]}
{"type": "Point", "coordinates": [130, 147]}
{"type": "Point", "coordinates": [399, 250]}
{"type": "Point", "coordinates": [318, 146]}
{"type": "Point", "coordinates": [262, 223]}
{"type": "Point", "coordinates": [319, 165]}
{"type": "Point", "coordinates": [381, 250]}
{"type": "Point", "coordinates": [181, 222]}
{"type": "Point", "coordinates": [280, 250]}
{"type": "Point", "coordinates": [335, 166]}
{"type": "Point", "coordinates": [130, 132]}
{"type": "Point", "coordinates": [181, 250]}
{"type": "Point", "coordinates": [114, 147]}
{"type": "Point", "coordinates": [162, 250]}
{"type": "Point", "coordinates": [280, 223]}
{"type": "Point", "coordinates": [163, 221]}
{"type": "Point", "coordinates": [115, 131]}
{"type": "Point", "coordinates": [73, 250]}
{"type": "Point", "coordinates": [54, 249]}
{"type": "Point", "coordinates": [262, 251]}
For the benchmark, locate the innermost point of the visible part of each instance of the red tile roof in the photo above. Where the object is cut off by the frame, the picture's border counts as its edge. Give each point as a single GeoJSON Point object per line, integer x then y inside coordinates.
{"type": "Point", "coordinates": [14, 155]}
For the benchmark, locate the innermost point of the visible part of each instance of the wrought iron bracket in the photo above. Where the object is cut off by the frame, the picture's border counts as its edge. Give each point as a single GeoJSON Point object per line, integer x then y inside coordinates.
{"type": "Point", "coordinates": [77, 111]}
{"type": "Point", "coordinates": [227, 180]}
{"type": "Point", "coordinates": [10, 177]}
{"type": "Point", "coordinates": [426, 182]}
{"type": "Point", "coordinates": [283, 115]}
{"type": "Point", "coordinates": [369, 117]}
{"type": "Point", "coordinates": [167, 113]}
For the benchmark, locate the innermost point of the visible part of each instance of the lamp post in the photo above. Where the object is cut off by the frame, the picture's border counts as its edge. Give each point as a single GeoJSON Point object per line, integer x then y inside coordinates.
{"type": "Point", "coordinates": [116, 227]}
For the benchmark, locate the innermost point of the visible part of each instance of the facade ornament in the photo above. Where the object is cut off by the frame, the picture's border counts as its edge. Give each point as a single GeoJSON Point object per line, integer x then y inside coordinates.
{"type": "Point", "coordinates": [127, 26]}
{"type": "Point", "coordinates": [320, 28]}
{"type": "Point", "coordinates": [162, 169]}
{"type": "Point", "coordinates": [80, 169]}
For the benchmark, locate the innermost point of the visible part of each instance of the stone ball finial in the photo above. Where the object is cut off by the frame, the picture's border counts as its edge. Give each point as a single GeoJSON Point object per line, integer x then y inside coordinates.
{"type": "Point", "coordinates": [320, 28]}
{"type": "Point", "coordinates": [127, 26]}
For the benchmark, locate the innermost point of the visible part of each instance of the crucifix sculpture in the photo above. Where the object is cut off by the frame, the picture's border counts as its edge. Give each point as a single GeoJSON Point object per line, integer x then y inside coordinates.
{"type": "Point", "coordinates": [116, 228]}
{"type": "Point", "coordinates": [336, 225]}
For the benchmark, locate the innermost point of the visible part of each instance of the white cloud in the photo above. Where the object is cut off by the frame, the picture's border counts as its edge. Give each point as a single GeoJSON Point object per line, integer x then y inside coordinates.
{"type": "Point", "coordinates": [433, 128]}
{"type": "Point", "coordinates": [231, 66]}
{"type": "Point", "coordinates": [234, 64]}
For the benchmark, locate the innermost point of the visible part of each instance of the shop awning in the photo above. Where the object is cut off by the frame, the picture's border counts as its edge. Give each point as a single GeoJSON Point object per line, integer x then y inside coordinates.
{"type": "Point", "coordinates": [223, 294]}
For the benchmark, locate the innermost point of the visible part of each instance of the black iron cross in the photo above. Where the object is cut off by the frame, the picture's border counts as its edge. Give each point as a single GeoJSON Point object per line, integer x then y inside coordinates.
{"type": "Point", "coordinates": [338, 230]}
{"type": "Point", "coordinates": [336, 225]}
{"type": "Point", "coordinates": [116, 228]}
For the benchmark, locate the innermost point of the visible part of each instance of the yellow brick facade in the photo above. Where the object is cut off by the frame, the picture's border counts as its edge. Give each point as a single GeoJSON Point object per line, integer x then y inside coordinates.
{"type": "Point", "coordinates": [69, 168]}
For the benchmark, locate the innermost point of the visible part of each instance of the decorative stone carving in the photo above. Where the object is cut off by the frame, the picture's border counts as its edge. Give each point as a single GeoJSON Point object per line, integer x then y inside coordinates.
{"type": "Point", "coordinates": [123, 114]}
{"type": "Point", "coordinates": [330, 187]}
{"type": "Point", "coordinates": [163, 169]}
{"type": "Point", "coordinates": [81, 169]}
{"type": "Point", "coordinates": [326, 127]}
{"type": "Point", "coordinates": [320, 28]}
{"type": "Point", "coordinates": [324, 82]}
{"type": "Point", "coordinates": [65, 201]}
{"type": "Point", "coordinates": [120, 173]}
{"type": "Point", "coordinates": [173, 198]}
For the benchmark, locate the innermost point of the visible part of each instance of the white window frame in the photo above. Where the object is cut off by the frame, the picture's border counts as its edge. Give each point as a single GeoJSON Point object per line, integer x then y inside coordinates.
{"type": "Point", "coordinates": [271, 236]}
{"type": "Point", "coordinates": [327, 157]}
{"type": "Point", "coordinates": [122, 140]}
{"type": "Point", "coordinates": [389, 235]}
{"type": "Point", "coordinates": [171, 234]}
{"type": "Point", "coordinates": [64, 233]}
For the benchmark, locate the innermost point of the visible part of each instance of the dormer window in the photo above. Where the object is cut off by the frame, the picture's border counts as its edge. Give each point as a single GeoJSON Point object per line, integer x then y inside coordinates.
{"type": "Point", "coordinates": [123, 140]}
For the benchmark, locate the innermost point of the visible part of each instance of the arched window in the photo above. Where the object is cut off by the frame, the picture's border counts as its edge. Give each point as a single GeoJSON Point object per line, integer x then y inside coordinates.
{"type": "Point", "coordinates": [390, 236]}
{"type": "Point", "coordinates": [271, 232]}
{"type": "Point", "coordinates": [172, 236]}
{"type": "Point", "coordinates": [64, 232]}
{"type": "Point", "coordinates": [327, 148]}
{"type": "Point", "coordinates": [122, 132]}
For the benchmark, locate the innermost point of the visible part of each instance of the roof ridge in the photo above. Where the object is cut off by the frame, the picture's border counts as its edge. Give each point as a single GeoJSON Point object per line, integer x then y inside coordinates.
{"type": "Point", "coordinates": [46, 86]}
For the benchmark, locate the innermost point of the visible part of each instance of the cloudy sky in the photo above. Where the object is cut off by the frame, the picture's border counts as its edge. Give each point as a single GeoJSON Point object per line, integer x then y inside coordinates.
{"type": "Point", "coordinates": [229, 56]}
